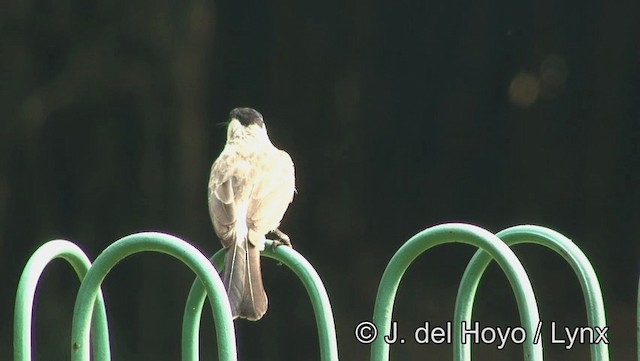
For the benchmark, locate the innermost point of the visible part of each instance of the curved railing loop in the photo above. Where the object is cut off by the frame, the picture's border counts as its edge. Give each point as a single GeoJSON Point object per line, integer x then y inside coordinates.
{"type": "Point", "coordinates": [460, 233]}
{"type": "Point", "coordinates": [559, 244]}
{"type": "Point", "coordinates": [156, 242]}
{"type": "Point", "coordinates": [23, 312]}
{"type": "Point", "coordinates": [305, 272]}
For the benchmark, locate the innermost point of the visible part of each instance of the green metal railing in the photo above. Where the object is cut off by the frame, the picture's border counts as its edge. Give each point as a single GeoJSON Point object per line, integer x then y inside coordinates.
{"type": "Point", "coordinates": [89, 302]}
{"type": "Point", "coordinates": [90, 314]}
{"type": "Point", "coordinates": [556, 242]}
{"type": "Point", "coordinates": [305, 272]}
{"type": "Point", "coordinates": [155, 242]}
{"type": "Point", "coordinates": [451, 233]}
{"type": "Point", "coordinates": [492, 247]}
{"type": "Point", "coordinates": [26, 292]}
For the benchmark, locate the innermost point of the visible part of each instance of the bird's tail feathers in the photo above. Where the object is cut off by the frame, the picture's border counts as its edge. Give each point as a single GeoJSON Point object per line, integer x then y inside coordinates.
{"type": "Point", "coordinates": [243, 281]}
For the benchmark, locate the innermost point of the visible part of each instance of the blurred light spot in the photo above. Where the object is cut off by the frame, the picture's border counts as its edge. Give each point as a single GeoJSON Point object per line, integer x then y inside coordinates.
{"type": "Point", "coordinates": [524, 89]}
{"type": "Point", "coordinates": [553, 74]}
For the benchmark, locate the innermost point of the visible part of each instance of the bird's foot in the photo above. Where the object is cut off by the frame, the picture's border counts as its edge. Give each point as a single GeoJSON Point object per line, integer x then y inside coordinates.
{"type": "Point", "coordinates": [282, 240]}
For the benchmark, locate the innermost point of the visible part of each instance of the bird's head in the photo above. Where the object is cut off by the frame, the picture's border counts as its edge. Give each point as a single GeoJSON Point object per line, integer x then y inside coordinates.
{"type": "Point", "coordinates": [246, 124]}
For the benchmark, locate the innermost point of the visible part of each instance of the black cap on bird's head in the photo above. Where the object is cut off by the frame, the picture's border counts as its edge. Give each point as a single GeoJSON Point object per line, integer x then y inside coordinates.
{"type": "Point", "coordinates": [246, 116]}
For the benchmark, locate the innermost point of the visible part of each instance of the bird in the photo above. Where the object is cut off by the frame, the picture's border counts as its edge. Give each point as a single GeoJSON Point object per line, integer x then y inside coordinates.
{"type": "Point", "coordinates": [250, 188]}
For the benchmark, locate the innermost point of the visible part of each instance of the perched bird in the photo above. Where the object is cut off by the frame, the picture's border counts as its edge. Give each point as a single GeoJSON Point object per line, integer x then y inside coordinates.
{"type": "Point", "coordinates": [251, 185]}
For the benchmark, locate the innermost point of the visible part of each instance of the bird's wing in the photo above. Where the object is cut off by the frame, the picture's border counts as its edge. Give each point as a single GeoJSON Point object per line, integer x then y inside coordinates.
{"type": "Point", "coordinates": [224, 188]}
{"type": "Point", "coordinates": [272, 193]}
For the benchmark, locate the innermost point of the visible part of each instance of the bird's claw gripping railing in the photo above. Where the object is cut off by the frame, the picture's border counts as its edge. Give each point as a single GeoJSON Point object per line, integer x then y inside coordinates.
{"type": "Point", "coordinates": [89, 300]}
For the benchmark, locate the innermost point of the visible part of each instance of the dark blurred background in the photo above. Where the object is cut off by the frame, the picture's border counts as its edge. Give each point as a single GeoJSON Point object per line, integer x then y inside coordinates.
{"type": "Point", "coordinates": [398, 115]}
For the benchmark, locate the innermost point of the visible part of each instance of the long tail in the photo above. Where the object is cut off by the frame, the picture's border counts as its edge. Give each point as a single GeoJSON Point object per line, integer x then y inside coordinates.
{"type": "Point", "coordinates": [243, 281]}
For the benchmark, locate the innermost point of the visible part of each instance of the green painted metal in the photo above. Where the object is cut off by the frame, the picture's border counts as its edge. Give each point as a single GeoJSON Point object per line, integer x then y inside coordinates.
{"type": "Point", "coordinates": [26, 292]}
{"type": "Point", "coordinates": [90, 306]}
{"type": "Point", "coordinates": [156, 242]}
{"type": "Point", "coordinates": [638, 321]}
{"type": "Point", "coordinates": [450, 233]}
{"type": "Point", "coordinates": [305, 272]}
{"type": "Point", "coordinates": [559, 244]}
